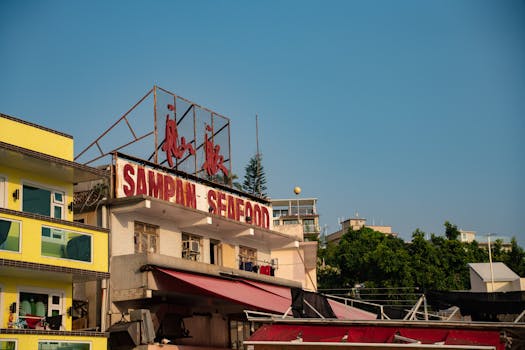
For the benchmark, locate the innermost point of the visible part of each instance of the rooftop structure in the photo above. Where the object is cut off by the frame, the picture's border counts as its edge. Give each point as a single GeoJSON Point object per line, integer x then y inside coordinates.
{"type": "Point", "coordinates": [355, 224]}
{"type": "Point", "coordinates": [297, 214]}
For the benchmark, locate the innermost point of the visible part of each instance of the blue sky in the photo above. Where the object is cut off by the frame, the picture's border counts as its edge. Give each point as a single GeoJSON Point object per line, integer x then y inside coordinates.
{"type": "Point", "coordinates": [408, 112]}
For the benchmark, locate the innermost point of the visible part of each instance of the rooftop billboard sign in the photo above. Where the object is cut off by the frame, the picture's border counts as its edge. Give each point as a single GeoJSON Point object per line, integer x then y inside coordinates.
{"type": "Point", "coordinates": [169, 131]}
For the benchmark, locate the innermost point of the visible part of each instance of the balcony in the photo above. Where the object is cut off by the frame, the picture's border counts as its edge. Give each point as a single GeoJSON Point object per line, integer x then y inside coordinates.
{"type": "Point", "coordinates": [311, 229]}
{"type": "Point", "coordinates": [38, 242]}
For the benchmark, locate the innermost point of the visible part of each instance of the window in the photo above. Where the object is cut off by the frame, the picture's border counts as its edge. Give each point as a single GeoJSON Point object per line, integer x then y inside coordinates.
{"type": "Point", "coordinates": [290, 222]}
{"type": "Point", "coordinates": [58, 243]}
{"type": "Point", "coordinates": [276, 223]}
{"type": "Point", "coordinates": [6, 344]}
{"type": "Point", "coordinates": [34, 306]}
{"type": "Point", "coordinates": [146, 238]}
{"type": "Point", "coordinates": [191, 247]}
{"type": "Point", "coordinates": [309, 225]}
{"type": "Point", "coordinates": [215, 252]}
{"type": "Point", "coordinates": [280, 212]}
{"type": "Point", "coordinates": [247, 258]}
{"type": "Point", "coordinates": [56, 345]}
{"type": "Point", "coordinates": [42, 201]}
{"type": "Point", "coordinates": [9, 235]}
{"type": "Point", "coordinates": [2, 193]}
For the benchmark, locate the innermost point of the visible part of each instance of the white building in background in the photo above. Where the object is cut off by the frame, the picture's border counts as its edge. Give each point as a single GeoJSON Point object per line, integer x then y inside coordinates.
{"type": "Point", "coordinates": [498, 278]}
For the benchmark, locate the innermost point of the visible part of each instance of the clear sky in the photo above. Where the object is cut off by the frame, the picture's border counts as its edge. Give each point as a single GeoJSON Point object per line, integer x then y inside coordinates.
{"type": "Point", "coordinates": [408, 112]}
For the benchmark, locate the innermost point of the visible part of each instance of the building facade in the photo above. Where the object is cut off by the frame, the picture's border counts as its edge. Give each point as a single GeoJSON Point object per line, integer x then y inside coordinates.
{"type": "Point", "coordinates": [43, 252]}
{"type": "Point", "coordinates": [355, 224]}
{"type": "Point", "coordinates": [187, 249]}
{"type": "Point", "coordinates": [297, 211]}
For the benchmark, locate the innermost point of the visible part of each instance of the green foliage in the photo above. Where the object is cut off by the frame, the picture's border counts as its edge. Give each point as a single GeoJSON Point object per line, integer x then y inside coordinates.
{"type": "Point", "coordinates": [379, 260]}
{"type": "Point", "coordinates": [254, 177]}
{"type": "Point", "coordinates": [451, 231]}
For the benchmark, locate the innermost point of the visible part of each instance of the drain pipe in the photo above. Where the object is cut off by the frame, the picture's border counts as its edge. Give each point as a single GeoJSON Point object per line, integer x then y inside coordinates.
{"type": "Point", "coordinates": [105, 282]}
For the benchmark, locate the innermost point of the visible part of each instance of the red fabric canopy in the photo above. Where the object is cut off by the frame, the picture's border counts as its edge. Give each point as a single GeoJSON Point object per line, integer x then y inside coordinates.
{"type": "Point", "coordinates": [234, 290]}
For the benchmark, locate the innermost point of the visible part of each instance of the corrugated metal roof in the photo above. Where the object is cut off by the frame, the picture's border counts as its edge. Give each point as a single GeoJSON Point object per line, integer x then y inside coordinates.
{"type": "Point", "coordinates": [502, 273]}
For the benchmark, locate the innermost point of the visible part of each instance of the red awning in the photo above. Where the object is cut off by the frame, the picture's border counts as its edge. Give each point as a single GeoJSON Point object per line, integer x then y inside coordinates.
{"type": "Point", "coordinates": [234, 290]}
{"type": "Point", "coordinates": [257, 295]}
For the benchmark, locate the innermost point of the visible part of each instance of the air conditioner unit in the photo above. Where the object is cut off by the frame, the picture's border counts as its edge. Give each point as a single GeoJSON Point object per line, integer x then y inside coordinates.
{"type": "Point", "coordinates": [191, 246]}
{"type": "Point", "coordinates": [194, 246]}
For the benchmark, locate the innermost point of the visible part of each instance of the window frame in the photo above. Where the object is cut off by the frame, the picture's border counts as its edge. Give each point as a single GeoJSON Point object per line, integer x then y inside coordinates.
{"type": "Point", "coordinates": [53, 341]}
{"type": "Point", "coordinates": [148, 234]}
{"type": "Point", "coordinates": [249, 257]}
{"type": "Point", "coordinates": [61, 293]}
{"type": "Point", "coordinates": [52, 204]}
{"type": "Point", "coordinates": [10, 340]}
{"type": "Point", "coordinates": [62, 240]}
{"type": "Point", "coordinates": [20, 223]}
{"type": "Point", "coordinates": [189, 253]}
{"type": "Point", "coordinates": [3, 191]}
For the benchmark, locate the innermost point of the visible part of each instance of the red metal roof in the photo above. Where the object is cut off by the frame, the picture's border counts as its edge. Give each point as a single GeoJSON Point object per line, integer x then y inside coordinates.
{"type": "Point", "coordinates": [362, 334]}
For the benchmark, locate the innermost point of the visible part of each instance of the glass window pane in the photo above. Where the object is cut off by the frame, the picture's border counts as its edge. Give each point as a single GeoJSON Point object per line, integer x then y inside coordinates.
{"type": "Point", "coordinates": [146, 237]}
{"type": "Point", "coordinates": [36, 200]}
{"type": "Point", "coordinates": [59, 197]}
{"type": "Point", "coordinates": [66, 245]}
{"type": "Point", "coordinates": [54, 345]}
{"type": "Point", "coordinates": [57, 212]}
{"type": "Point", "coordinates": [9, 235]}
{"type": "Point", "coordinates": [7, 345]}
{"type": "Point", "coordinates": [46, 232]}
{"type": "Point", "coordinates": [2, 192]}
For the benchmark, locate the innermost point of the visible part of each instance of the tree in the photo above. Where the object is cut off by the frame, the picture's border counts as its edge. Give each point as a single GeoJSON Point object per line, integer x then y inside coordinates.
{"type": "Point", "coordinates": [254, 177]}
{"type": "Point", "coordinates": [376, 260]}
{"type": "Point", "coordinates": [451, 231]}
{"type": "Point", "coordinates": [230, 180]}
{"type": "Point", "coordinates": [515, 259]}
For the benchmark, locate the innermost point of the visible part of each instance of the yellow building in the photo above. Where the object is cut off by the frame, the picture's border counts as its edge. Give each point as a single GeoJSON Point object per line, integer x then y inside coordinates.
{"type": "Point", "coordinates": [43, 252]}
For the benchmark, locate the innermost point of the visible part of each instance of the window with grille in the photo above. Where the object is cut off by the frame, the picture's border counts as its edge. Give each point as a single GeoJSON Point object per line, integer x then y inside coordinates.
{"type": "Point", "coordinates": [247, 258]}
{"type": "Point", "coordinates": [191, 247]}
{"type": "Point", "coordinates": [146, 238]}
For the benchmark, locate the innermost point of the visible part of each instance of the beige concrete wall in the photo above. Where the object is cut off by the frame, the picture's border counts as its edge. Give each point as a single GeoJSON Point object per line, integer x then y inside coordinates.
{"type": "Point", "coordinates": [382, 229]}
{"type": "Point", "coordinates": [206, 331]}
{"type": "Point", "coordinates": [294, 230]}
{"type": "Point", "coordinates": [229, 255]}
{"type": "Point", "coordinates": [476, 283]}
{"type": "Point", "coordinates": [290, 264]}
